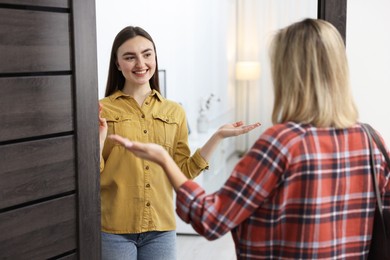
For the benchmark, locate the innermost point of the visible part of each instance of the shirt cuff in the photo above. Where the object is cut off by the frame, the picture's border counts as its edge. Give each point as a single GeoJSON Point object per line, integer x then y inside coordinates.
{"type": "Point", "coordinates": [199, 160]}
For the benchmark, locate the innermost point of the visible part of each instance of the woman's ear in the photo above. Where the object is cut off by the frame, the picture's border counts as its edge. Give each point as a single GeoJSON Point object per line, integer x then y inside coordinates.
{"type": "Point", "coordinates": [117, 65]}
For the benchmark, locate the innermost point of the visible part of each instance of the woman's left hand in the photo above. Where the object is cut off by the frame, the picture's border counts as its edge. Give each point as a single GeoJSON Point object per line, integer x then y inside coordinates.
{"type": "Point", "coordinates": [235, 129]}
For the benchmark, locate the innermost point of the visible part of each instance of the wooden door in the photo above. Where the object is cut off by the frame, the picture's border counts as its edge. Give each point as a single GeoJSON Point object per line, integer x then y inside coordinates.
{"type": "Point", "coordinates": [49, 177]}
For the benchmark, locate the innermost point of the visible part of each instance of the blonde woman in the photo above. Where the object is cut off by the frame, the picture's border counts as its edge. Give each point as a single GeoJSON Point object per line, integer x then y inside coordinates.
{"type": "Point", "coordinates": [304, 190]}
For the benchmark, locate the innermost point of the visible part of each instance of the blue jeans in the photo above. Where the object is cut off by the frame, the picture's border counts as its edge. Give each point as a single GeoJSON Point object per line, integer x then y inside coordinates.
{"type": "Point", "coordinates": [154, 245]}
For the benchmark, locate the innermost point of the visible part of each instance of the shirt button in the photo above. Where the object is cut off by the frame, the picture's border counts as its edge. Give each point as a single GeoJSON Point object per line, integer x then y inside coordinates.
{"type": "Point", "coordinates": [147, 167]}
{"type": "Point", "coordinates": [143, 116]}
{"type": "Point", "coordinates": [146, 103]}
{"type": "Point", "coordinates": [147, 204]}
{"type": "Point", "coordinates": [145, 131]}
{"type": "Point", "coordinates": [167, 120]}
{"type": "Point", "coordinates": [147, 185]}
{"type": "Point", "coordinates": [117, 118]}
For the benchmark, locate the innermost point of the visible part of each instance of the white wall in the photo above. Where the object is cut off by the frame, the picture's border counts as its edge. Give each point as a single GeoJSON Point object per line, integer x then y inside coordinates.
{"type": "Point", "coordinates": [368, 48]}
{"type": "Point", "coordinates": [195, 41]}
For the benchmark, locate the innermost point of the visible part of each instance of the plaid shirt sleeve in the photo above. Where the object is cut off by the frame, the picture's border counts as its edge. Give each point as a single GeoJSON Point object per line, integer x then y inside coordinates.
{"type": "Point", "coordinates": [251, 182]}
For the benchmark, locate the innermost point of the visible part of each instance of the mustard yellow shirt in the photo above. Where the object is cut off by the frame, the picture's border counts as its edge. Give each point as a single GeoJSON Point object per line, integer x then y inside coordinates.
{"type": "Point", "coordinates": [136, 195]}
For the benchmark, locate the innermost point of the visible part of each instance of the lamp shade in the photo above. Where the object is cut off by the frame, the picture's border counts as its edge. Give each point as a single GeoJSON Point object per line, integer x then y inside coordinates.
{"type": "Point", "coordinates": [247, 70]}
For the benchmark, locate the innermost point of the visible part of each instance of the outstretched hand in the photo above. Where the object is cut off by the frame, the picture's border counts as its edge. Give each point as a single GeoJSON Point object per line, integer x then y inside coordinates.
{"type": "Point", "coordinates": [157, 154]}
{"type": "Point", "coordinates": [102, 126]}
{"type": "Point", "coordinates": [235, 129]}
{"type": "Point", "coordinates": [148, 151]}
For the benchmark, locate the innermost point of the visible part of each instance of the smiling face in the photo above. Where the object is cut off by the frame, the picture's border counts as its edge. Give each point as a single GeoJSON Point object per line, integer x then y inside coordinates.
{"type": "Point", "coordinates": [136, 60]}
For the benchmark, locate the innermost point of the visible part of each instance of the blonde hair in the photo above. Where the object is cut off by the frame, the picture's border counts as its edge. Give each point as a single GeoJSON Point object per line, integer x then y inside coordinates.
{"type": "Point", "coordinates": [310, 76]}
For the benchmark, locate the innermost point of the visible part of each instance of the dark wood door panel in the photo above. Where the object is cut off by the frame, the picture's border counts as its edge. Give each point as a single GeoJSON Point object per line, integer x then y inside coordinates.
{"type": "Point", "coordinates": [86, 125]}
{"type": "Point", "coordinates": [34, 41]}
{"type": "Point", "coordinates": [40, 231]}
{"type": "Point", "coordinates": [32, 106]}
{"type": "Point", "coordinates": [34, 170]}
{"type": "Point", "coordinates": [68, 257]}
{"type": "Point", "coordinates": [46, 3]}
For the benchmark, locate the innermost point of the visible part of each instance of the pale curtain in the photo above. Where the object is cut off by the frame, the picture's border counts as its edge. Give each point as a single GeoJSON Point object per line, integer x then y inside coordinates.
{"type": "Point", "coordinates": [257, 21]}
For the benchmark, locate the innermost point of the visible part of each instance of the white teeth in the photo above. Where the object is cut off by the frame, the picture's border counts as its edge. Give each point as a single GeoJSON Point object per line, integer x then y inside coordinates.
{"type": "Point", "coordinates": [140, 72]}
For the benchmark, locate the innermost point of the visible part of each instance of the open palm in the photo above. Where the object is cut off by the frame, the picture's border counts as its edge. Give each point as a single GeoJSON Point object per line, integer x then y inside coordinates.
{"type": "Point", "coordinates": [235, 129]}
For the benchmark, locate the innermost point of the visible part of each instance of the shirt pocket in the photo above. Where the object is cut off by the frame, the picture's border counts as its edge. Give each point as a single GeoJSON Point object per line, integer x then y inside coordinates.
{"type": "Point", "coordinates": [124, 125]}
{"type": "Point", "coordinates": [165, 129]}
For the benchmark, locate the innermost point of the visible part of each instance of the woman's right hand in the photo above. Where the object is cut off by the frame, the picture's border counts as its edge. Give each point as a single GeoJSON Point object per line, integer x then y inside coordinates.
{"type": "Point", "coordinates": [155, 153]}
{"type": "Point", "coordinates": [236, 129]}
{"type": "Point", "coordinates": [148, 151]}
{"type": "Point", "coordinates": [102, 128]}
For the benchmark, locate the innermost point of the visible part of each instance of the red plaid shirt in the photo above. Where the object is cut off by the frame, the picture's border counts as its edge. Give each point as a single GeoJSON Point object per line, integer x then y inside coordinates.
{"type": "Point", "coordinates": [300, 193]}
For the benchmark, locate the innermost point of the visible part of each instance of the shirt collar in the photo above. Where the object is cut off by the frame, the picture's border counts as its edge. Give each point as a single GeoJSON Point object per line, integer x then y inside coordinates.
{"type": "Point", "coordinates": [158, 95]}
{"type": "Point", "coordinates": [117, 94]}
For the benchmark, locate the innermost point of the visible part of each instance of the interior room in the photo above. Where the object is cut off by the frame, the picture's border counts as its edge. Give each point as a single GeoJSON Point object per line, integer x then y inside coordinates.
{"type": "Point", "coordinates": [201, 45]}
{"type": "Point", "coordinates": [213, 60]}
{"type": "Point", "coordinates": [208, 50]}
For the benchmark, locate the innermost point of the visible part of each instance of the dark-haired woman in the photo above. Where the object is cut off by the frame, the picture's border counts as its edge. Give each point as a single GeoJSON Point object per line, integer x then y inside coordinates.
{"type": "Point", "coordinates": [138, 219]}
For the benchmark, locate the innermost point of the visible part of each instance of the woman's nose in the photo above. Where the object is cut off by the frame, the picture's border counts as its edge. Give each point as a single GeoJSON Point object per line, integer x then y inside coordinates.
{"type": "Point", "coordinates": [140, 62]}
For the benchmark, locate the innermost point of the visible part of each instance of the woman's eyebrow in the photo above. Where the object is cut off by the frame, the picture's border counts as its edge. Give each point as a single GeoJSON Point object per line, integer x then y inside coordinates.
{"type": "Point", "coordinates": [133, 53]}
